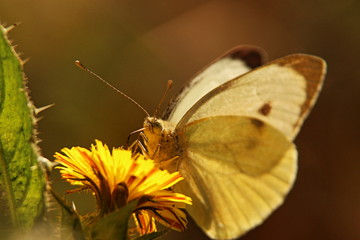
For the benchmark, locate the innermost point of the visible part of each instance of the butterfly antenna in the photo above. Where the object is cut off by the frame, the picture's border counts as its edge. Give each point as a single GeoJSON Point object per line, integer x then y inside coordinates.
{"type": "Point", "coordinates": [168, 86]}
{"type": "Point", "coordinates": [80, 65]}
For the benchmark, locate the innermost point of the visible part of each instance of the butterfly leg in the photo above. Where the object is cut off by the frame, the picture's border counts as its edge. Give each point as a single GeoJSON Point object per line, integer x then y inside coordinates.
{"type": "Point", "coordinates": [143, 149]}
{"type": "Point", "coordinates": [144, 137]}
{"type": "Point", "coordinates": [132, 133]}
{"type": "Point", "coordinates": [138, 144]}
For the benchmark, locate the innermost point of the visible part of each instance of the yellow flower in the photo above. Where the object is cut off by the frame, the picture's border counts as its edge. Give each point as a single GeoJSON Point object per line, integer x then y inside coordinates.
{"type": "Point", "coordinates": [117, 177]}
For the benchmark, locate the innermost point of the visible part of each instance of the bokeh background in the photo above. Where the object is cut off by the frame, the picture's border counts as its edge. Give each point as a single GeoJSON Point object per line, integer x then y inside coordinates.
{"type": "Point", "coordinates": [138, 45]}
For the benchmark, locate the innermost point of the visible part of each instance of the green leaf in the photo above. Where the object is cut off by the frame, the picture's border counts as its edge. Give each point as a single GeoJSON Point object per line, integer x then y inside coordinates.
{"type": "Point", "coordinates": [115, 225]}
{"type": "Point", "coordinates": [70, 226]}
{"type": "Point", "coordinates": [22, 179]}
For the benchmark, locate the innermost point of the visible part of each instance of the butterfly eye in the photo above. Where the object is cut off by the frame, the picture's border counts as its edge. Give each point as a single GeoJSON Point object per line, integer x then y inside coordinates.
{"type": "Point", "coordinates": [156, 127]}
{"type": "Point", "coordinates": [153, 125]}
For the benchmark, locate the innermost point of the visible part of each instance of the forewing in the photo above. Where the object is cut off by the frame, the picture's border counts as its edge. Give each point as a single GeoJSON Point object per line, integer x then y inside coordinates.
{"type": "Point", "coordinates": [233, 64]}
{"type": "Point", "coordinates": [237, 170]}
{"type": "Point", "coordinates": [280, 93]}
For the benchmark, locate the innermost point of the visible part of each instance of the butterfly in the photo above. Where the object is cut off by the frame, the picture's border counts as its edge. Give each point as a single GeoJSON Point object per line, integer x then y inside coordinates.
{"type": "Point", "coordinates": [230, 133]}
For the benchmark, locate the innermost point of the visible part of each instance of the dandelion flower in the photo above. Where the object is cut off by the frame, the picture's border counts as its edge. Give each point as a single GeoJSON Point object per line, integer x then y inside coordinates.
{"type": "Point", "coordinates": [117, 177]}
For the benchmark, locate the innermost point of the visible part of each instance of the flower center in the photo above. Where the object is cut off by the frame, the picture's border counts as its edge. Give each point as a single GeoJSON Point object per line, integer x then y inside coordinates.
{"type": "Point", "coordinates": [120, 195]}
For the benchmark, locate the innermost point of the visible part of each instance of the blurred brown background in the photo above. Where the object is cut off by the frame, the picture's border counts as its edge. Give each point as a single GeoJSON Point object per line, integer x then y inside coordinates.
{"type": "Point", "coordinates": [139, 45]}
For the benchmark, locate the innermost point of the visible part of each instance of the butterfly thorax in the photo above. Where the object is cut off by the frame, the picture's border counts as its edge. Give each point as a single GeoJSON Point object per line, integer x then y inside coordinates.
{"type": "Point", "coordinates": [160, 142]}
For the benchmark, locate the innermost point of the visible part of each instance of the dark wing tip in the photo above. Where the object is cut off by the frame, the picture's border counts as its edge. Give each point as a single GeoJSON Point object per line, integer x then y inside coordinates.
{"type": "Point", "coordinates": [313, 68]}
{"type": "Point", "coordinates": [252, 56]}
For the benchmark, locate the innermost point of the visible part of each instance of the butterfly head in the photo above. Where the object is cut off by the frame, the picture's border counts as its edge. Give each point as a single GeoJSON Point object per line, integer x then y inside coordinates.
{"type": "Point", "coordinates": [153, 125]}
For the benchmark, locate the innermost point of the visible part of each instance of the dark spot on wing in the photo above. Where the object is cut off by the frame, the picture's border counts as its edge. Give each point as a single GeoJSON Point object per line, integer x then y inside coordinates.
{"type": "Point", "coordinates": [258, 123]}
{"type": "Point", "coordinates": [265, 109]}
{"type": "Point", "coordinates": [251, 144]}
{"type": "Point", "coordinates": [253, 57]}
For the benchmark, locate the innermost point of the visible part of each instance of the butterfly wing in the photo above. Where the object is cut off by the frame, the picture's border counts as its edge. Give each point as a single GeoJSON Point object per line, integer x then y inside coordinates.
{"type": "Point", "coordinates": [232, 64]}
{"type": "Point", "coordinates": [237, 171]}
{"type": "Point", "coordinates": [236, 152]}
{"type": "Point", "coordinates": [281, 93]}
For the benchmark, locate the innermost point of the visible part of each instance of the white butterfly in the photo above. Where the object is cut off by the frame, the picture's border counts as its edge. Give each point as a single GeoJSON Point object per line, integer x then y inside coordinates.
{"type": "Point", "coordinates": [229, 132]}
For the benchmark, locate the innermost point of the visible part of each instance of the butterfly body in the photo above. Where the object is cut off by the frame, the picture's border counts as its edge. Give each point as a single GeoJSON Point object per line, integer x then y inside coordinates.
{"type": "Point", "coordinates": [161, 143]}
{"type": "Point", "coordinates": [232, 139]}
